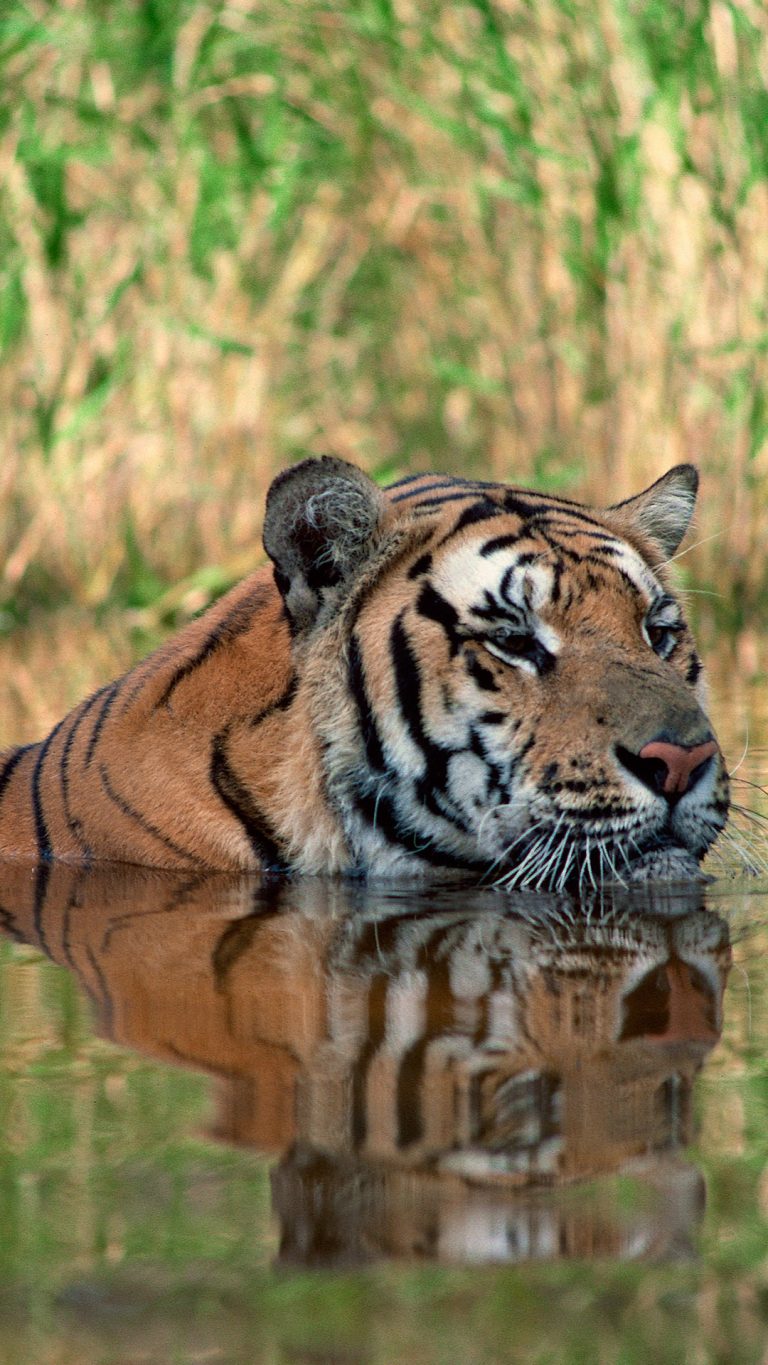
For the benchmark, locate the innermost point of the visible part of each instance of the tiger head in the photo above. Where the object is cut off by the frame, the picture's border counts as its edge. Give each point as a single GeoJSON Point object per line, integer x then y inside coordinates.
{"type": "Point", "coordinates": [498, 680]}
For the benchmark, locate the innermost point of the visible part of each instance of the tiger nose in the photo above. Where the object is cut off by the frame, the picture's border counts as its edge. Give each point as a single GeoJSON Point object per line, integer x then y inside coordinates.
{"type": "Point", "coordinates": [673, 768]}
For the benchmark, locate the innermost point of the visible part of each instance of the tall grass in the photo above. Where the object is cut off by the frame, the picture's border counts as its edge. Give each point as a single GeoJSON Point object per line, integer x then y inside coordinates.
{"type": "Point", "coordinates": [524, 239]}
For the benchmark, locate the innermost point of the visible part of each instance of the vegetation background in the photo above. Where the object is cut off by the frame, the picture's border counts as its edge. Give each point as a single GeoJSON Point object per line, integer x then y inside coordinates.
{"type": "Point", "coordinates": [521, 239]}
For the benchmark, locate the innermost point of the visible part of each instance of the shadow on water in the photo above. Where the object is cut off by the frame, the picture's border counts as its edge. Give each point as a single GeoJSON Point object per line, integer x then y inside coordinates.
{"type": "Point", "coordinates": [447, 1075]}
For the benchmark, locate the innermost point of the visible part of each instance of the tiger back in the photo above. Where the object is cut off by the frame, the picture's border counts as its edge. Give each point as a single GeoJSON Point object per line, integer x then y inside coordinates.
{"type": "Point", "coordinates": [446, 678]}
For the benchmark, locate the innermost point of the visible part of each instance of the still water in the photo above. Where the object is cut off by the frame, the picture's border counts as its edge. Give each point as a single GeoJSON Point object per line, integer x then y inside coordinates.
{"type": "Point", "coordinates": [247, 1122]}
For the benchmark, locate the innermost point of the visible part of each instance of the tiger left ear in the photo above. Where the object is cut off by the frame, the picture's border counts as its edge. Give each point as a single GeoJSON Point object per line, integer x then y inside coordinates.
{"type": "Point", "coordinates": [322, 522]}
{"type": "Point", "coordinates": [662, 513]}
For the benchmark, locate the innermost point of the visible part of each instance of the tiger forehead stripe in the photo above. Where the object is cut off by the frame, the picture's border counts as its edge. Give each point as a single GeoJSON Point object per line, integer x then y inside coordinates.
{"type": "Point", "coordinates": [508, 580]}
{"type": "Point", "coordinates": [633, 568]}
{"type": "Point", "coordinates": [599, 547]}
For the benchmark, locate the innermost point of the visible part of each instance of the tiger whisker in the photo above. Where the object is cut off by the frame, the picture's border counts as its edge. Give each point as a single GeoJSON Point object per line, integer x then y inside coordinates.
{"type": "Point", "coordinates": [747, 782]}
{"type": "Point", "coordinates": [554, 851]}
{"type": "Point", "coordinates": [688, 548]}
{"type": "Point", "coordinates": [744, 751]}
{"type": "Point", "coordinates": [754, 815]}
{"type": "Point", "coordinates": [521, 871]}
{"type": "Point", "coordinates": [508, 852]}
{"type": "Point", "coordinates": [754, 860]}
{"type": "Point", "coordinates": [607, 860]}
{"type": "Point", "coordinates": [381, 789]}
{"type": "Point", "coordinates": [524, 874]}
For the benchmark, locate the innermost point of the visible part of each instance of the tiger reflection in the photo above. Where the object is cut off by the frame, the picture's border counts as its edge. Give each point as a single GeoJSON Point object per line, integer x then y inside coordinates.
{"type": "Point", "coordinates": [436, 1074]}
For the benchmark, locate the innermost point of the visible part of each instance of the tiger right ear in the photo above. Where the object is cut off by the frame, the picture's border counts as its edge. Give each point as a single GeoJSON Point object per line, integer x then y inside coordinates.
{"type": "Point", "coordinates": [661, 513]}
{"type": "Point", "coordinates": [322, 522]}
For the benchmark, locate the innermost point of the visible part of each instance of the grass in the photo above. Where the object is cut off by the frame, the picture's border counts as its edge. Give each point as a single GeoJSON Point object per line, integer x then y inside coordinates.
{"type": "Point", "coordinates": [527, 240]}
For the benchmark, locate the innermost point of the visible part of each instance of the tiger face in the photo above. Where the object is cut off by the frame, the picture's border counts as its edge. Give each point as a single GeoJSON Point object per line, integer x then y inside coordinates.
{"type": "Point", "coordinates": [506, 684]}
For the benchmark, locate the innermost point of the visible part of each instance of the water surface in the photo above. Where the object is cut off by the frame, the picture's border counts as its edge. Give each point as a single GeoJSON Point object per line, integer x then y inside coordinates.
{"type": "Point", "coordinates": [258, 1121]}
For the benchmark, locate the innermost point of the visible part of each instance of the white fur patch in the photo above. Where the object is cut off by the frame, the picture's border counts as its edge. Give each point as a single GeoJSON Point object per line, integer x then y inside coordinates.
{"type": "Point", "coordinates": [464, 578]}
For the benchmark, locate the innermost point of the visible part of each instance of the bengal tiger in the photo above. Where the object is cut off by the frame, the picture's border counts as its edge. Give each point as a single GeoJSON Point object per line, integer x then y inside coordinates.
{"type": "Point", "coordinates": [444, 678]}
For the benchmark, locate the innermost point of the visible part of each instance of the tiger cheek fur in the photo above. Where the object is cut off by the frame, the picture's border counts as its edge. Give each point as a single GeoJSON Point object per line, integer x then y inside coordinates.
{"type": "Point", "coordinates": [444, 678]}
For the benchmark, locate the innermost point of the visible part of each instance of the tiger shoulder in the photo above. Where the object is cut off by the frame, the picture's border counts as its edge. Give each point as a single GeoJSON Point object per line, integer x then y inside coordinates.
{"type": "Point", "coordinates": [444, 678]}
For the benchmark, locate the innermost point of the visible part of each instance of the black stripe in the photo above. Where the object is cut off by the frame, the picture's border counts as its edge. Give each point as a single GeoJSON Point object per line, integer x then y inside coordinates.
{"type": "Point", "coordinates": [42, 875]}
{"type": "Point", "coordinates": [439, 1022]}
{"type": "Point", "coordinates": [693, 670]}
{"type": "Point", "coordinates": [44, 849]}
{"type": "Point", "coordinates": [630, 582]}
{"type": "Point", "coordinates": [236, 622]}
{"type": "Point", "coordinates": [376, 942]}
{"type": "Point", "coordinates": [422, 565]}
{"type": "Point", "coordinates": [494, 773]}
{"type": "Point", "coordinates": [9, 767]}
{"type": "Point", "coordinates": [426, 488]}
{"type": "Point", "coordinates": [377, 1019]}
{"type": "Point", "coordinates": [141, 820]}
{"type": "Point", "coordinates": [439, 500]}
{"type": "Point", "coordinates": [374, 749]}
{"type": "Point", "coordinates": [408, 683]}
{"type": "Point", "coordinates": [516, 505]}
{"type": "Point", "coordinates": [525, 748]}
{"type": "Point", "coordinates": [281, 704]}
{"type": "Point", "coordinates": [471, 516]}
{"type": "Point", "coordinates": [481, 675]}
{"type": "Point", "coordinates": [501, 543]}
{"type": "Point", "coordinates": [105, 1004]}
{"type": "Point", "coordinates": [180, 894]}
{"type": "Point", "coordinates": [407, 478]}
{"type": "Point", "coordinates": [75, 826]}
{"type": "Point", "coordinates": [431, 788]}
{"type": "Point", "coordinates": [380, 813]}
{"type": "Point", "coordinates": [565, 552]}
{"type": "Point", "coordinates": [435, 607]}
{"type": "Point", "coordinates": [73, 902]}
{"type": "Point", "coordinates": [109, 694]}
{"type": "Point", "coordinates": [9, 926]}
{"type": "Point", "coordinates": [237, 938]}
{"type": "Point", "coordinates": [561, 530]}
{"type": "Point", "coordinates": [444, 481]}
{"type": "Point", "coordinates": [240, 803]}
{"type": "Point", "coordinates": [534, 510]}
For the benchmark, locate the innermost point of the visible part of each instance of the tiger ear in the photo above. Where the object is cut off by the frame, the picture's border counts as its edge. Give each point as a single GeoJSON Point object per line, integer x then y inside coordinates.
{"type": "Point", "coordinates": [322, 522]}
{"type": "Point", "coordinates": [662, 513]}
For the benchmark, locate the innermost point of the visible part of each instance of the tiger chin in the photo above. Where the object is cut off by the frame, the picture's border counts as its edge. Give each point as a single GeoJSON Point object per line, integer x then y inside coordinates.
{"type": "Point", "coordinates": [446, 678]}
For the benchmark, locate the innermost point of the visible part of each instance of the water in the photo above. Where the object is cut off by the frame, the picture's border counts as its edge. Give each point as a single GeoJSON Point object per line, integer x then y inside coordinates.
{"type": "Point", "coordinates": [308, 1122]}
{"type": "Point", "coordinates": [248, 1122]}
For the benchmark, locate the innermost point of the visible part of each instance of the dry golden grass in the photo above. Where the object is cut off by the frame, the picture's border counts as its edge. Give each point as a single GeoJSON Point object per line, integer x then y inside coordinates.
{"type": "Point", "coordinates": [527, 241]}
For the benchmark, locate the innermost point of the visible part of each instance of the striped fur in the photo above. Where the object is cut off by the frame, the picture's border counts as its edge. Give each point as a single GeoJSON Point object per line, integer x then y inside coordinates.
{"type": "Point", "coordinates": [447, 678]}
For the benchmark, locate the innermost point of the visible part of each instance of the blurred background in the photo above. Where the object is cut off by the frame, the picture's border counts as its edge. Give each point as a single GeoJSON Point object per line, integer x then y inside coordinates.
{"type": "Point", "coordinates": [520, 240]}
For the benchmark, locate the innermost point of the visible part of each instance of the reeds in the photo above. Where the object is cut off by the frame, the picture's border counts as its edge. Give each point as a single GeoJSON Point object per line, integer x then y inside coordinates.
{"type": "Point", "coordinates": [527, 240]}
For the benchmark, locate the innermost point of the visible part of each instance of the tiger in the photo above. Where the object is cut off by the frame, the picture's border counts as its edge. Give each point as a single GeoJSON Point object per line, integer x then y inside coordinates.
{"type": "Point", "coordinates": [447, 678]}
{"type": "Point", "coordinates": [430, 1073]}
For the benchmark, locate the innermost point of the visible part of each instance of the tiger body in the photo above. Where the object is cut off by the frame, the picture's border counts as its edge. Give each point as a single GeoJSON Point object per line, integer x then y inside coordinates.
{"type": "Point", "coordinates": [445, 678]}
